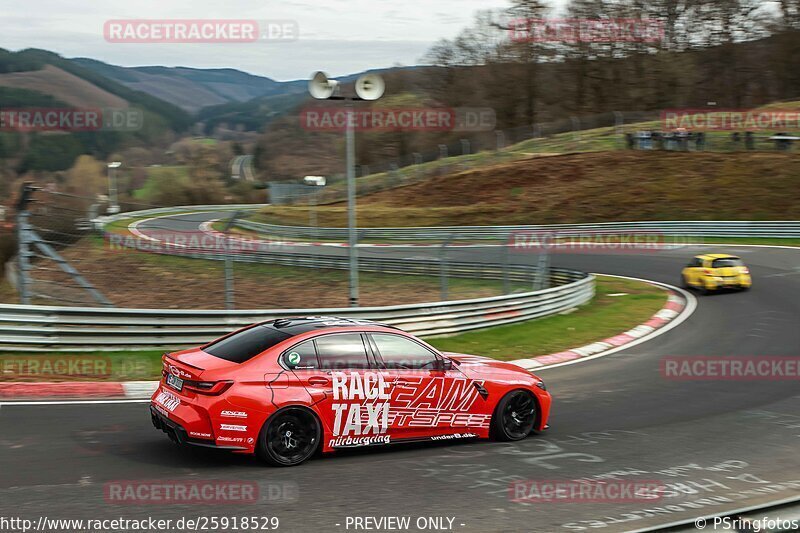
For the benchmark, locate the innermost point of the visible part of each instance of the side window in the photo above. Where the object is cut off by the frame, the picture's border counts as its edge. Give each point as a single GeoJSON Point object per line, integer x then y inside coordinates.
{"type": "Point", "coordinates": [301, 356]}
{"type": "Point", "coordinates": [401, 353]}
{"type": "Point", "coordinates": [344, 351]}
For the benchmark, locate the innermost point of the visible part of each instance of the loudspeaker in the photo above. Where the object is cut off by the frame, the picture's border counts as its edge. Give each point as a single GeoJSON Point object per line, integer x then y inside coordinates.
{"type": "Point", "coordinates": [370, 87]}
{"type": "Point", "coordinates": [321, 87]}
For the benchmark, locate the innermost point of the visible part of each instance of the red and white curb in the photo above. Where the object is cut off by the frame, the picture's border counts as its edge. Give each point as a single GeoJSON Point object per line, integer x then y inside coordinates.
{"type": "Point", "coordinates": [680, 305]}
{"type": "Point", "coordinates": [131, 390]}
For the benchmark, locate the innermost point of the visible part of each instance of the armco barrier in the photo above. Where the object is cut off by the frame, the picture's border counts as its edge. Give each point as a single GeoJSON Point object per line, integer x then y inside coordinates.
{"type": "Point", "coordinates": [43, 328]}
{"type": "Point", "coordinates": [771, 229]}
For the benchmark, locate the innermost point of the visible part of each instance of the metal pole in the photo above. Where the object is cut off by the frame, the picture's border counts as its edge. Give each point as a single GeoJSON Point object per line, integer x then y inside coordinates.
{"type": "Point", "coordinates": [443, 270]}
{"type": "Point", "coordinates": [23, 254]}
{"type": "Point", "coordinates": [543, 271]}
{"type": "Point", "coordinates": [619, 122]}
{"type": "Point", "coordinates": [230, 298]}
{"type": "Point", "coordinates": [351, 206]}
{"type": "Point", "coordinates": [312, 211]}
{"type": "Point", "coordinates": [230, 302]}
{"type": "Point", "coordinates": [112, 186]}
{"type": "Point", "coordinates": [24, 243]}
{"type": "Point", "coordinates": [506, 282]}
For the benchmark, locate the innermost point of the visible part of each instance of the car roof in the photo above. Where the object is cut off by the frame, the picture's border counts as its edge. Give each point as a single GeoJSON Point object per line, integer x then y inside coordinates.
{"type": "Point", "coordinates": [298, 325]}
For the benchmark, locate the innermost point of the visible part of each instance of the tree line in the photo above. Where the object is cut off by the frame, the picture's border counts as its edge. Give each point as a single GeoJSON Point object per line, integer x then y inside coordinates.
{"type": "Point", "coordinates": [733, 53]}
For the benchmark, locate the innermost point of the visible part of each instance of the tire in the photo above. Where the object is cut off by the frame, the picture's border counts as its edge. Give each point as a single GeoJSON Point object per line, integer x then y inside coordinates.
{"type": "Point", "coordinates": [515, 416]}
{"type": "Point", "coordinates": [290, 437]}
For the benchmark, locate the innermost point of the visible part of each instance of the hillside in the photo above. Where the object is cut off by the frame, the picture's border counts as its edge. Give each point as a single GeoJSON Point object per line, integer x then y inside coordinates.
{"type": "Point", "coordinates": [62, 86]}
{"type": "Point", "coordinates": [591, 187]}
{"type": "Point", "coordinates": [43, 72]}
{"type": "Point", "coordinates": [193, 89]}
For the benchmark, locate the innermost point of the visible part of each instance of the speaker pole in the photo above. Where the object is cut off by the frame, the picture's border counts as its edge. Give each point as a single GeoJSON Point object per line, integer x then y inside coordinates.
{"type": "Point", "coordinates": [367, 87]}
{"type": "Point", "coordinates": [351, 203]}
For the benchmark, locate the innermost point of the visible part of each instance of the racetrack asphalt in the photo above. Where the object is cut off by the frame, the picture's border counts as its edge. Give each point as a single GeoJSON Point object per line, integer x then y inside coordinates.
{"type": "Point", "coordinates": [717, 445]}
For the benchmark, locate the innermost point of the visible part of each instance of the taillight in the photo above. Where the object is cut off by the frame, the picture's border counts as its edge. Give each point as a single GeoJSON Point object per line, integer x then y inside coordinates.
{"type": "Point", "coordinates": [745, 270]}
{"type": "Point", "coordinates": [211, 388]}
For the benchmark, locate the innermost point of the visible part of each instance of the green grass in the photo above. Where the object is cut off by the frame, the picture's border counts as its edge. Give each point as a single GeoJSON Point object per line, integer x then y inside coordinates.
{"type": "Point", "coordinates": [604, 317]}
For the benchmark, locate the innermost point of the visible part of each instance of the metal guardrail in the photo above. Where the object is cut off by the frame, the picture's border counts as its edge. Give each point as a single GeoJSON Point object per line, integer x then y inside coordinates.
{"type": "Point", "coordinates": [772, 229]}
{"type": "Point", "coordinates": [100, 222]}
{"type": "Point", "coordinates": [268, 253]}
{"type": "Point", "coordinates": [42, 328]}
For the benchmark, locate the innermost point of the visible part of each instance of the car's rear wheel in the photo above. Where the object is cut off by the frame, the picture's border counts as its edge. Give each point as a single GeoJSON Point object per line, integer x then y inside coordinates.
{"type": "Point", "coordinates": [289, 437]}
{"type": "Point", "coordinates": [514, 416]}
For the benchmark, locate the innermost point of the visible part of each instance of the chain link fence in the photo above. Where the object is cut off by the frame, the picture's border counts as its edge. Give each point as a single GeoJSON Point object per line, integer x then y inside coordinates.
{"type": "Point", "coordinates": [185, 258]}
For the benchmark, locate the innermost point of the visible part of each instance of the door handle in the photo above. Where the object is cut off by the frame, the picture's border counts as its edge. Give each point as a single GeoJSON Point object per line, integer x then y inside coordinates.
{"type": "Point", "coordinates": [318, 380]}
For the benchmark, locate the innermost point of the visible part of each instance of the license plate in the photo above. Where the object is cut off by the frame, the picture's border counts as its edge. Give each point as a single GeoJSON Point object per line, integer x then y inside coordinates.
{"type": "Point", "coordinates": [175, 382]}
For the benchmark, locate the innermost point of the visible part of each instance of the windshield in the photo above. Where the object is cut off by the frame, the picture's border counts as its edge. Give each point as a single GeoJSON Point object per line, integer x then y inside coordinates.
{"type": "Point", "coordinates": [727, 262]}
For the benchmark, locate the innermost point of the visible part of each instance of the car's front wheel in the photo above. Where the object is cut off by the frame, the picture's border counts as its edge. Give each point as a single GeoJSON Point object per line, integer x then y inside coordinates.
{"type": "Point", "coordinates": [289, 437]}
{"type": "Point", "coordinates": [514, 416]}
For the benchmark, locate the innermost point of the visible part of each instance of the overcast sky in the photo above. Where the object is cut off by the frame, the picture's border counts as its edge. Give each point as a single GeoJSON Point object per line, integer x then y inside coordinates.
{"type": "Point", "coordinates": [339, 36]}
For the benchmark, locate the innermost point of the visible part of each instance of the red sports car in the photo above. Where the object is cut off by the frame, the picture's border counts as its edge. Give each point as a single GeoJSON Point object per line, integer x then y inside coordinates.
{"type": "Point", "coordinates": [286, 388]}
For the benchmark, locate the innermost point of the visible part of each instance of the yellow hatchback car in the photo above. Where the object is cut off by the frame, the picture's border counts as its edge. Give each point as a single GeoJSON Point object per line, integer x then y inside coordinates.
{"type": "Point", "coordinates": [711, 272]}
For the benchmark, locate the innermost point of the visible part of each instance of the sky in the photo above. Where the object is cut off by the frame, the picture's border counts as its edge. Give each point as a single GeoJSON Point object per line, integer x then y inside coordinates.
{"type": "Point", "coordinates": [337, 36]}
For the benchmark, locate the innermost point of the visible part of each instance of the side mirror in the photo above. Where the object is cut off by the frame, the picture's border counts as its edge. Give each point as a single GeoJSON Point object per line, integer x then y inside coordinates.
{"type": "Point", "coordinates": [447, 364]}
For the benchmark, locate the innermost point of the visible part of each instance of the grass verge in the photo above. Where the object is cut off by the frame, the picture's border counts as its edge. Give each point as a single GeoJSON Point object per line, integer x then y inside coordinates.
{"type": "Point", "coordinates": [618, 306]}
